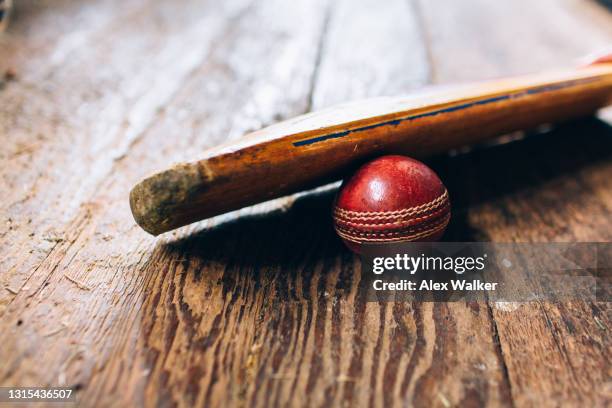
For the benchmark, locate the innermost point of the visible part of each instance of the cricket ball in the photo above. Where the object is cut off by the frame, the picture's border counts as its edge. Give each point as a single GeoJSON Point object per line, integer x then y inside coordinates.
{"type": "Point", "coordinates": [391, 199]}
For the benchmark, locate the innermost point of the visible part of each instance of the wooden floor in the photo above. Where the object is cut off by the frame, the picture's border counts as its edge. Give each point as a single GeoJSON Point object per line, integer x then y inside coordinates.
{"type": "Point", "coordinates": [265, 307]}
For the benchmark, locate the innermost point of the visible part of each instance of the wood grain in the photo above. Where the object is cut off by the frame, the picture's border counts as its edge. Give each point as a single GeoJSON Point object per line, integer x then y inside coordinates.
{"type": "Point", "coordinates": [114, 111]}
{"type": "Point", "coordinates": [559, 192]}
{"type": "Point", "coordinates": [264, 306]}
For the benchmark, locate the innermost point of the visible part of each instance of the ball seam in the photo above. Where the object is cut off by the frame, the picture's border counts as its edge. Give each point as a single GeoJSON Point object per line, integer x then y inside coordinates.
{"type": "Point", "coordinates": [397, 220]}
{"type": "Point", "coordinates": [356, 236]}
{"type": "Point", "coordinates": [412, 237]}
{"type": "Point", "coordinates": [368, 215]}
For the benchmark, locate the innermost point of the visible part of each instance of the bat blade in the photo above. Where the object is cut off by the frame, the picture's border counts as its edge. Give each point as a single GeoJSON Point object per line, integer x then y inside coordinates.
{"type": "Point", "coordinates": [319, 147]}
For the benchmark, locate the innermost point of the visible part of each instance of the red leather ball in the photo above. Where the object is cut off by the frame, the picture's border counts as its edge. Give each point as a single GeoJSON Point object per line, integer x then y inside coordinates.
{"type": "Point", "coordinates": [391, 199]}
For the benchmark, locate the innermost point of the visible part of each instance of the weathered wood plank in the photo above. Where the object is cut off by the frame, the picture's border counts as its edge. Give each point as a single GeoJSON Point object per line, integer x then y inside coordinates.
{"type": "Point", "coordinates": [553, 352]}
{"type": "Point", "coordinates": [371, 51]}
{"type": "Point", "coordinates": [69, 125]}
{"type": "Point", "coordinates": [552, 187]}
{"type": "Point", "coordinates": [44, 33]}
{"type": "Point", "coordinates": [102, 250]}
{"type": "Point", "coordinates": [485, 40]}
